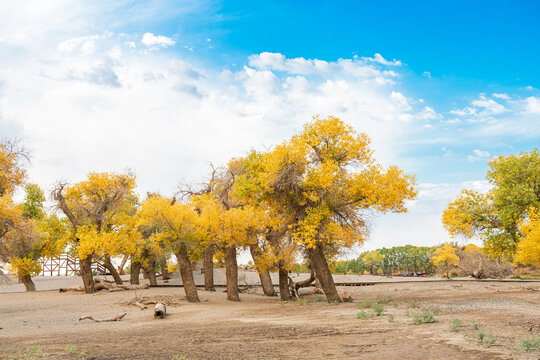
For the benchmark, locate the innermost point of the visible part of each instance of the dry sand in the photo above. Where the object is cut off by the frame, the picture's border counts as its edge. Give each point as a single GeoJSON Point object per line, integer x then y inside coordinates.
{"type": "Point", "coordinates": [260, 327]}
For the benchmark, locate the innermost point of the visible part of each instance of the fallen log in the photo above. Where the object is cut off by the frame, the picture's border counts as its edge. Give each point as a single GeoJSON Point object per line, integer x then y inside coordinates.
{"type": "Point", "coordinates": [80, 288]}
{"type": "Point", "coordinates": [118, 317]}
{"type": "Point", "coordinates": [160, 311]}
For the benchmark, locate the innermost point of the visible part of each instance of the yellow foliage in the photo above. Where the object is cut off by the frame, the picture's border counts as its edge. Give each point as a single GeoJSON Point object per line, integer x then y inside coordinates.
{"type": "Point", "coordinates": [104, 205]}
{"type": "Point", "coordinates": [172, 268]}
{"type": "Point", "coordinates": [445, 254]}
{"type": "Point", "coordinates": [528, 247]}
{"type": "Point", "coordinates": [12, 174]}
{"type": "Point", "coordinates": [175, 225]}
{"type": "Point", "coordinates": [24, 266]}
{"type": "Point", "coordinates": [321, 180]}
{"type": "Point", "coordinates": [445, 257]}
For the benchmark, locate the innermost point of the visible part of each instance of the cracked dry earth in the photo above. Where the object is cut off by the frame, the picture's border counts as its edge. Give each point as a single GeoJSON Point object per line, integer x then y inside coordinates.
{"type": "Point", "coordinates": [41, 325]}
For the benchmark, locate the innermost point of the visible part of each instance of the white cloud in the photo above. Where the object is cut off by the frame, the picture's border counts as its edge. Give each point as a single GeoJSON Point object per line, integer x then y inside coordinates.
{"type": "Point", "coordinates": [532, 105]}
{"type": "Point", "coordinates": [479, 155]}
{"type": "Point", "coordinates": [491, 107]}
{"type": "Point", "coordinates": [501, 96]}
{"type": "Point", "coordinates": [151, 40]}
{"type": "Point", "coordinates": [88, 100]}
{"type": "Point", "coordinates": [378, 58]}
{"type": "Point", "coordinates": [301, 66]}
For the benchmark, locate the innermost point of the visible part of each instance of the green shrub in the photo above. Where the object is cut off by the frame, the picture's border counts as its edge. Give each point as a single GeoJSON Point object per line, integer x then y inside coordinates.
{"type": "Point", "coordinates": [365, 304]}
{"type": "Point", "coordinates": [425, 317]}
{"type": "Point", "coordinates": [302, 301]}
{"type": "Point", "coordinates": [383, 299]}
{"type": "Point", "coordinates": [456, 324]}
{"type": "Point", "coordinates": [530, 344]}
{"type": "Point", "coordinates": [480, 335]}
{"type": "Point", "coordinates": [391, 318]}
{"type": "Point", "coordinates": [363, 315]}
{"type": "Point", "coordinates": [378, 309]}
{"type": "Point", "coordinates": [490, 339]}
{"type": "Point", "coordinates": [413, 304]}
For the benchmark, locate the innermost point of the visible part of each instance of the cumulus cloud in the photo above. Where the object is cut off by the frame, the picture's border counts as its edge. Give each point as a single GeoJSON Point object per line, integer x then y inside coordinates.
{"type": "Point", "coordinates": [88, 98]}
{"type": "Point", "coordinates": [532, 105]}
{"type": "Point", "coordinates": [490, 106]}
{"type": "Point", "coordinates": [378, 58]}
{"type": "Point", "coordinates": [152, 40]}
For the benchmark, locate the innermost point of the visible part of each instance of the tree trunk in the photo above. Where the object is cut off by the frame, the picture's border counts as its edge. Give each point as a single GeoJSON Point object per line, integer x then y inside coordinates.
{"type": "Point", "coordinates": [165, 272]}
{"type": "Point", "coordinates": [109, 266]}
{"type": "Point", "coordinates": [284, 292]}
{"type": "Point", "coordinates": [28, 283]}
{"type": "Point", "coordinates": [266, 280]}
{"type": "Point", "coordinates": [208, 264]}
{"type": "Point", "coordinates": [135, 272]}
{"type": "Point", "coordinates": [186, 271]}
{"type": "Point", "coordinates": [318, 261]}
{"type": "Point", "coordinates": [122, 264]}
{"type": "Point", "coordinates": [231, 267]}
{"type": "Point", "coordinates": [86, 273]}
{"type": "Point", "coordinates": [151, 273]}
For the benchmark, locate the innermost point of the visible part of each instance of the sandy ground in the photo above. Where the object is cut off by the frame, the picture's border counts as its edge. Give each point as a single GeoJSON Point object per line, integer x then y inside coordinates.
{"type": "Point", "coordinates": [41, 325]}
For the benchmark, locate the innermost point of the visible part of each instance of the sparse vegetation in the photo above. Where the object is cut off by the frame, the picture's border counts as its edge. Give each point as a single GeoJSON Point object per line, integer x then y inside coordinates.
{"type": "Point", "coordinates": [391, 318]}
{"type": "Point", "coordinates": [530, 344]}
{"type": "Point", "coordinates": [303, 301]}
{"type": "Point", "coordinates": [378, 309]}
{"type": "Point", "coordinates": [413, 304]}
{"type": "Point", "coordinates": [363, 315]}
{"type": "Point", "coordinates": [456, 324]}
{"type": "Point", "coordinates": [365, 304]}
{"type": "Point", "coordinates": [73, 349]}
{"type": "Point", "coordinates": [383, 299]}
{"type": "Point", "coordinates": [425, 317]}
{"type": "Point", "coordinates": [490, 339]}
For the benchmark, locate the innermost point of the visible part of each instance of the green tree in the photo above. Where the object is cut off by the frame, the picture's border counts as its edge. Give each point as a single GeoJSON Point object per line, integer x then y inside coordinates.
{"type": "Point", "coordinates": [496, 215]}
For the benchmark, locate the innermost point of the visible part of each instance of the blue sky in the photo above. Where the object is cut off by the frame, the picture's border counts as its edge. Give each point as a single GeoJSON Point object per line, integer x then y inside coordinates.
{"type": "Point", "coordinates": [163, 87]}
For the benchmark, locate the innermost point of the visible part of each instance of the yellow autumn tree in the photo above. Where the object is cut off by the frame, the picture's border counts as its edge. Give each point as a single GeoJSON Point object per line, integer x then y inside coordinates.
{"type": "Point", "coordinates": [178, 227]}
{"type": "Point", "coordinates": [323, 180]}
{"type": "Point", "coordinates": [21, 241]}
{"type": "Point", "coordinates": [99, 211]}
{"type": "Point", "coordinates": [227, 229]}
{"type": "Point", "coordinates": [528, 248]}
{"type": "Point", "coordinates": [445, 257]}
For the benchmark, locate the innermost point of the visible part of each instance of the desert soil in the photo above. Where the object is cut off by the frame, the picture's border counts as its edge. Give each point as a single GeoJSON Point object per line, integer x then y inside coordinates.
{"type": "Point", "coordinates": [42, 324]}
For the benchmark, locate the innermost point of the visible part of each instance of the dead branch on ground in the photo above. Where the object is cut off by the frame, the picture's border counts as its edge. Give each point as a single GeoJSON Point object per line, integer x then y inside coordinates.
{"type": "Point", "coordinates": [118, 317]}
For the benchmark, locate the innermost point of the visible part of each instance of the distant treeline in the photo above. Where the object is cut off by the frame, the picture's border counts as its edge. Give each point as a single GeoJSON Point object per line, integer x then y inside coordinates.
{"type": "Point", "coordinates": [398, 259]}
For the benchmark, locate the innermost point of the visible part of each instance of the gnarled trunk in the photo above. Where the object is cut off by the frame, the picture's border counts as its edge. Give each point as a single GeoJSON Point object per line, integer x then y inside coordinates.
{"type": "Point", "coordinates": [319, 264]}
{"type": "Point", "coordinates": [165, 274]}
{"type": "Point", "coordinates": [231, 272]}
{"type": "Point", "coordinates": [186, 271]}
{"type": "Point", "coordinates": [135, 273]}
{"type": "Point", "coordinates": [109, 266]}
{"type": "Point", "coordinates": [284, 292]}
{"type": "Point", "coordinates": [151, 273]}
{"type": "Point", "coordinates": [208, 263]}
{"type": "Point", "coordinates": [28, 283]}
{"type": "Point", "coordinates": [122, 264]}
{"type": "Point", "coordinates": [86, 273]}
{"type": "Point", "coordinates": [266, 280]}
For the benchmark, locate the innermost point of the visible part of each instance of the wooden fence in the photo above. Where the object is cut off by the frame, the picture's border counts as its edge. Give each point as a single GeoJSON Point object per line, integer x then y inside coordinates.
{"type": "Point", "coordinates": [66, 265]}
